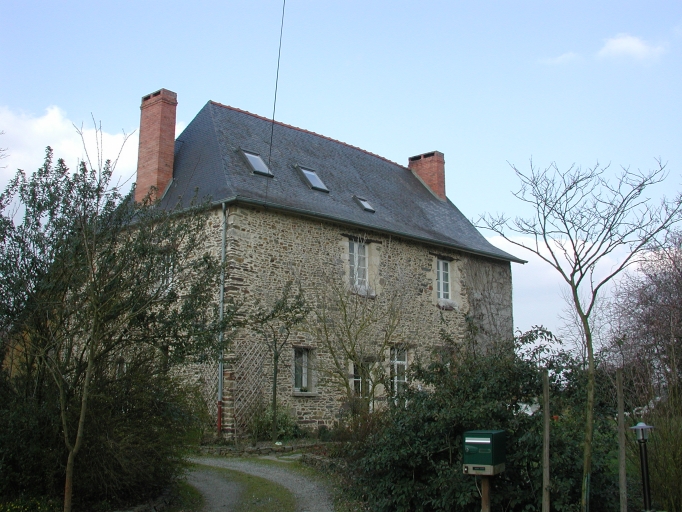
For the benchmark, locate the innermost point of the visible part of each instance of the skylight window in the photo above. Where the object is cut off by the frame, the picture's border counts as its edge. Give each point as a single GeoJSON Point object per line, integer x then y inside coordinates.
{"type": "Point", "coordinates": [364, 204]}
{"type": "Point", "coordinates": [256, 163]}
{"type": "Point", "coordinates": [313, 179]}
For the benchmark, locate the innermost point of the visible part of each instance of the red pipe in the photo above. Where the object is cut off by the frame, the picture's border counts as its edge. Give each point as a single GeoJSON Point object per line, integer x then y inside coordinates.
{"type": "Point", "coordinates": [220, 417]}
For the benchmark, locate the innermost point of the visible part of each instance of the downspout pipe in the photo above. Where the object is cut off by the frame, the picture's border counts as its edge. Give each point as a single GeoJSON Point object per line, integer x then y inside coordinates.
{"type": "Point", "coordinates": [221, 317]}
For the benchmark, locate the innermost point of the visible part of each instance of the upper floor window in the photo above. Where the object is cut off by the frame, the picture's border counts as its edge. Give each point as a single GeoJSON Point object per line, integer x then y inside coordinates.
{"type": "Point", "coordinates": [443, 279]}
{"type": "Point", "coordinates": [357, 259]}
{"type": "Point", "coordinates": [398, 369]}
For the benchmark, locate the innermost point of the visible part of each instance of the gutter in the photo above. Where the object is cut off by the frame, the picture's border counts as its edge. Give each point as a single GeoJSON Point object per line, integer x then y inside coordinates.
{"type": "Point", "coordinates": [317, 215]}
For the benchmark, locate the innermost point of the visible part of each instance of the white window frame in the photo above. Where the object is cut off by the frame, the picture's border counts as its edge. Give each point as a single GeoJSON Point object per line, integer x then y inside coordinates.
{"type": "Point", "coordinates": [303, 374]}
{"type": "Point", "coordinates": [360, 379]}
{"type": "Point", "coordinates": [358, 266]}
{"type": "Point", "coordinates": [398, 369]}
{"type": "Point", "coordinates": [167, 279]}
{"type": "Point", "coordinates": [443, 279]}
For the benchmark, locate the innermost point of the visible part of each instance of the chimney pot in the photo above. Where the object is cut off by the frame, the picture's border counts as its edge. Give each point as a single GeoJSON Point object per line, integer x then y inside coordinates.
{"type": "Point", "coordinates": [430, 168]}
{"type": "Point", "coordinates": [157, 143]}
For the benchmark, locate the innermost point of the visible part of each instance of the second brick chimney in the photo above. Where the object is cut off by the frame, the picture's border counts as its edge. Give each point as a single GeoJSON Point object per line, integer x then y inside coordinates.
{"type": "Point", "coordinates": [430, 167]}
{"type": "Point", "coordinates": [157, 143]}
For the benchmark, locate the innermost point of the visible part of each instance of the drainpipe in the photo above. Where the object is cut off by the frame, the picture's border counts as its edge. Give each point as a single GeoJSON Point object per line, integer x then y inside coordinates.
{"type": "Point", "coordinates": [222, 330]}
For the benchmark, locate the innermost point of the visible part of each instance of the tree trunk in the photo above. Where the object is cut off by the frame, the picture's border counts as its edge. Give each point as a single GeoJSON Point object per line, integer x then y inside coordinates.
{"type": "Point", "coordinates": [73, 451]}
{"type": "Point", "coordinates": [68, 483]}
{"type": "Point", "coordinates": [589, 418]}
{"type": "Point", "coordinates": [275, 369]}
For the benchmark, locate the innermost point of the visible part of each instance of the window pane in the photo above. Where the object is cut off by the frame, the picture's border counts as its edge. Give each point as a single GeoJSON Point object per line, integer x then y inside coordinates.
{"type": "Point", "coordinates": [357, 264]}
{"type": "Point", "coordinates": [298, 368]}
{"type": "Point", "coordinates": [443, 279]}
{"type": "Point", "coordinates": [314, 180]}
{"type": "Point", "coordinates": [365, 204]}
{"type": "Point", "coordinates": [351, 262]}
{"type": "Point", "coordinates": [302, 371]}
{"type": "Point", "coordinates": [357, 380]}
{"type": "Point", "coordinates": [257, 163]}
{"type": "Point", "coordinates": [398, 369]}
{"type": "Point", "coordinates": [362, 265]}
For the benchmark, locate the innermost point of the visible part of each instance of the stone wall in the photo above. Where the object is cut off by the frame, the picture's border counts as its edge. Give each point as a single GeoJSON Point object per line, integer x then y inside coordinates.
{"type": "Point", "coordinates": [266, 248]}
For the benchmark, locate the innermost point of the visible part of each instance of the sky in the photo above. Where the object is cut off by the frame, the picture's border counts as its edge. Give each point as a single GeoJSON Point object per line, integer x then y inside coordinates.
{"type": "Point", "coordinates": [490, 84]}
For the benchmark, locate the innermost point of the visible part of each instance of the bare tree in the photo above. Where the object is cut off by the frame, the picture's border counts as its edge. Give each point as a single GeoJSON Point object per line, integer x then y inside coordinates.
{"type": "Point", "coordinates": [275, 323]}
{"type": "Point", "coordinates": [580, 218]}
{"type": "Point", "coordinates": [358, 329]}
{"type": "Point", "coordinates": [3, 153]}
{"type": "Point", "coordinates": [647, 326]}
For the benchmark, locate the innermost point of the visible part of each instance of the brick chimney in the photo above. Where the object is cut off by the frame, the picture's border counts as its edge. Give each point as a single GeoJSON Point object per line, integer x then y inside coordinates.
{"type": "Point", "coordinates": [157, 143]}
{"type": "Point", "coordinates": [430, 167]}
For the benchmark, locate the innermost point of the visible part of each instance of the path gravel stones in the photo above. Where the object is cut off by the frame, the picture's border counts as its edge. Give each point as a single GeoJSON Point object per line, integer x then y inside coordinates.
{"type": "Point", "coordinates": [220, 495]}
{"type": "Point", "coordinates": [310, 496]}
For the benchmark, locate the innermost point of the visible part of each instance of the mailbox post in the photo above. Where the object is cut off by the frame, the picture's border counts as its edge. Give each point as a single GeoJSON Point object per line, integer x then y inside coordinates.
{"type": "Point", "coordinates": [484, 455]}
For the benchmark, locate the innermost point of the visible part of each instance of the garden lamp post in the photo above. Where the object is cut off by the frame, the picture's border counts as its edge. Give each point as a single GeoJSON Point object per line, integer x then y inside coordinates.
{"type": "Point", "coordinates": [642, 430]}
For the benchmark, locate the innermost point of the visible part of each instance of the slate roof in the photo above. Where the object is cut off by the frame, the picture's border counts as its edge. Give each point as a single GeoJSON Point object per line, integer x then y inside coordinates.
{"type": "Point", "coordinates": [208, 161]}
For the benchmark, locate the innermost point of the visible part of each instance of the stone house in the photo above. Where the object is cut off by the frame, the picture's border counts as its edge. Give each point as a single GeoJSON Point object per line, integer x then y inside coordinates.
{"type": "Point", "coordinates": [292, 204]}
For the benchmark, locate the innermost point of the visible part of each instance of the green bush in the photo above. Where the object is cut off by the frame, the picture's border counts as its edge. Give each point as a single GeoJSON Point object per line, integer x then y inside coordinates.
{"type": "Point", "coordinates": [32, 453]}
{"type": "Point", "coordinates": [136, 430]}
{"type": "Point", "coordinates": [260, 426]}
{"type": "Point", "coordinates": [414, 462]}
{"type": "Point", "coordinates": [31, 505]}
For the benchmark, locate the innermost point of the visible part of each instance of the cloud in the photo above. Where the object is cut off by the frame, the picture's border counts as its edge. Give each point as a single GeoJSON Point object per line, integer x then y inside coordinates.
{"type": "Point", "coordinates": [26, 137]}
{"type": "Point", "coordinates": [564, 58]}
{"type": "Point", "coordinates": [625, 45]}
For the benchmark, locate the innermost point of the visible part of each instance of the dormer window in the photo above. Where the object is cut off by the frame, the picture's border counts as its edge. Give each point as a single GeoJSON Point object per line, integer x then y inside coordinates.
{"type": "Point", "coordinates": [364, 204]}
{"type": "Point", "coordinates": [258, 166]}
{"type": "Point", "coordinates": [313, 179]}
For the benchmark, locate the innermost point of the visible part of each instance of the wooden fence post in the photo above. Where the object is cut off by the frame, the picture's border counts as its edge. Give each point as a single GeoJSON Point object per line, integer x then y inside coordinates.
{"type": "Point", "coordinates": [622, 476]}
{"type": "Point", "coordinates": [545, 441]}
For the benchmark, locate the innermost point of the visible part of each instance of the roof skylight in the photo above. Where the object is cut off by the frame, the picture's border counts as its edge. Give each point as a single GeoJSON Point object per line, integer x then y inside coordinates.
{"type": "Point", "coordinates": [256, 163]}
{"type": "Point", "coordinates": [313, 179]}
{"type": "Point", "coordinates": [364, 204]}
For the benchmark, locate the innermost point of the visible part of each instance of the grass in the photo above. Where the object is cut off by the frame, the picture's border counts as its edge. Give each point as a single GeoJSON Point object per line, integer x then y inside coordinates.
{"type": "Point", "coordinates": [256, 494]}
{"type": "Point", "coordinates": [259, 494]}
{"type": "Point", "coordinates": [343, 502]}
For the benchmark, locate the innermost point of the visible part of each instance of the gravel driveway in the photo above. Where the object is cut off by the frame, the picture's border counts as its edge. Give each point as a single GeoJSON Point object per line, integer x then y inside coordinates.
{"type": "Point", "coordinates": [220, 495]}
{"type": "Point", "coordinates": [310, 496]}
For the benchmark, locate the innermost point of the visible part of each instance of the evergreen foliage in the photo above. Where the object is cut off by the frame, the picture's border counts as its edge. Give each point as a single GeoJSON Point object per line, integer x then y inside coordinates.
{"type": "Point", "coordinates": [100, 299]}
{"type": "Point", "coordinates": [414, 462]}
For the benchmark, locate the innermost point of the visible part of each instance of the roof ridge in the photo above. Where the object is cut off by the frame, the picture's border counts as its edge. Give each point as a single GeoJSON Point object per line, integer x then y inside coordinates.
{"type": "Point", "coordinates": [306, 131]}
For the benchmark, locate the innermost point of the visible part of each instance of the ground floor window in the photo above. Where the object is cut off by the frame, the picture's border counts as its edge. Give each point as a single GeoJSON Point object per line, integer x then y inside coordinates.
{"type": "Point", "coordinates": [303, 377]}
{"type": "Point", "coordinates": [398, 369]}
{"type": "Point", "coordinates": [360, 380]}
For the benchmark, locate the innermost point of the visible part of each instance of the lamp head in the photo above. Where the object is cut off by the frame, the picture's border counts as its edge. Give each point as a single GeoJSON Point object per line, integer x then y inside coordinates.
{"type": "Point", "coordinates": [642, 430]}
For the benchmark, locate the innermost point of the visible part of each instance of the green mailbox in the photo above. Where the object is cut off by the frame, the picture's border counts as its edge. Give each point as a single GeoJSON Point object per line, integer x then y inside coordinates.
{"type": "Point", "coordinates": [483, 452]}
